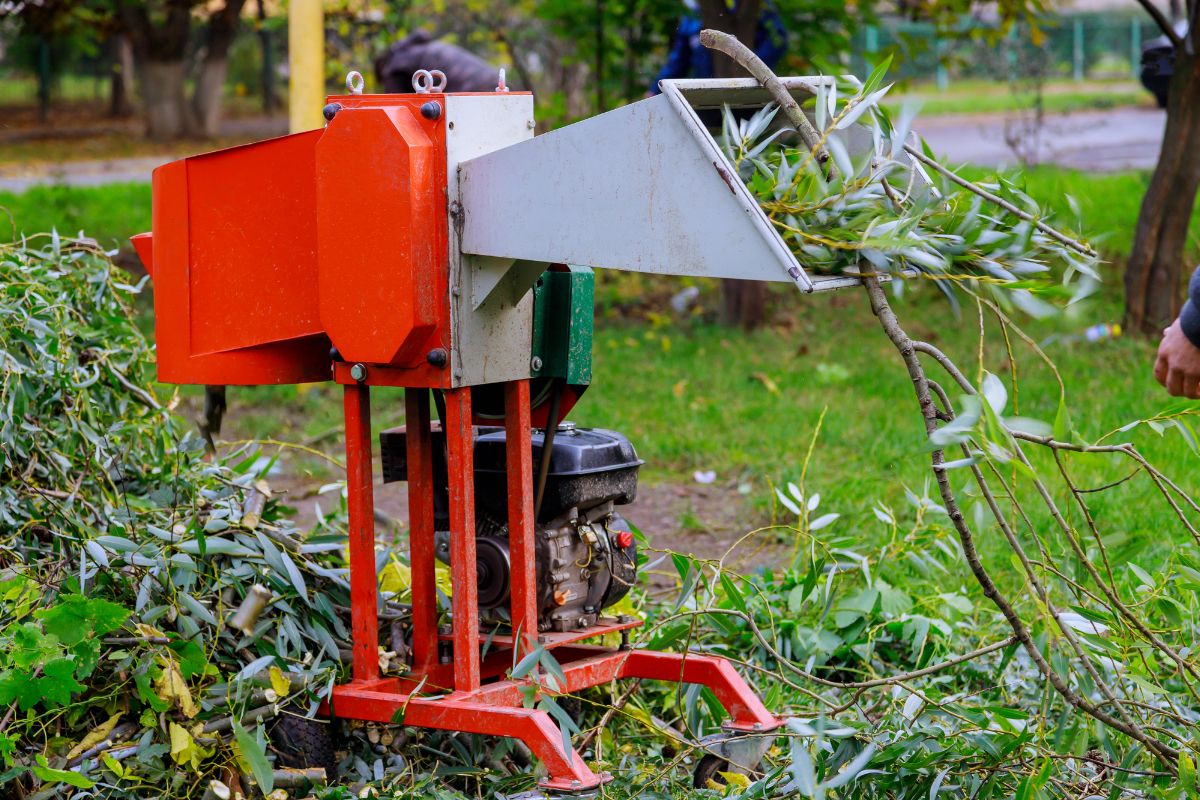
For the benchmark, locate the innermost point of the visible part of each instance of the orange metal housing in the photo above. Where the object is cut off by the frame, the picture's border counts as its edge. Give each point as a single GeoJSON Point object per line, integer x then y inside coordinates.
{"type": "Point", "coordinates": [264, 256]}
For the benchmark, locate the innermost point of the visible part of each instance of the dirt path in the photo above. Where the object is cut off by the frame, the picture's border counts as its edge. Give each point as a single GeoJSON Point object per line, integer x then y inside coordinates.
{"type": "Point", "coordinates": [700, 520]}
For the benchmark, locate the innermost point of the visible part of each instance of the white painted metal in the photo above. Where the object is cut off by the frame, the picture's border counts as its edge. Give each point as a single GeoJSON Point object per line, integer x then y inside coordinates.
{"type": "Point", "coordinates": [490, 341]}
{"type": "Point", "coordinates": [643, 188]}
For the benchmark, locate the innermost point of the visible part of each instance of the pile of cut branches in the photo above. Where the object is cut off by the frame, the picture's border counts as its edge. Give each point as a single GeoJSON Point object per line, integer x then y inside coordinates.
{"type": "Point", "coordinates": [157, 610]}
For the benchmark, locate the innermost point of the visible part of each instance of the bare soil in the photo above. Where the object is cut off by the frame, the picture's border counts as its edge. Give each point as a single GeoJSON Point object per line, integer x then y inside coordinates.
{"type": "Point", "coordinates": [704, 521]}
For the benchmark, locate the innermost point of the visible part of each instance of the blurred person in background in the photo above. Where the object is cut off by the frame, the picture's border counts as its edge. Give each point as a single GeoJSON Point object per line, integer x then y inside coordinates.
{"type": "Point", "coordinates": [690, 59]}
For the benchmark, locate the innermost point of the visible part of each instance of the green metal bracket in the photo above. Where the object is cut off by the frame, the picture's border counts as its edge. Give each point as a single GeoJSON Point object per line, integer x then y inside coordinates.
{"type": "Point", "coordinates": [563, 310]}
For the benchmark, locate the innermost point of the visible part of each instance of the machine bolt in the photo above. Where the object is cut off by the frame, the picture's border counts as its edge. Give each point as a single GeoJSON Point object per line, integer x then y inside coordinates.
{"type": "Point", "coordinates": [758, 726]}
{"type": "Point", "coordinates": [359, 372]}
{"type": "Point", "coordinates": [431, 110]}
{"type": "Point", "coordinates": [334, 355]}
{"type": "Point", "coordinates": [330, 111]}
{"type": "Point", "coordinates": [575, 784]}
{"type": "Point", "coordinates": [437, 357]}
{"type": "Point", "coordinates": [535, 363]}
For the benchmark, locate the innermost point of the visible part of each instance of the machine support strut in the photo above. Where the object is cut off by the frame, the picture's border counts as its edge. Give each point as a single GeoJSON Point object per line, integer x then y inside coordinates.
{"type": "Point", "coordinates": [460, 446]}
{"type": "Point", "coordinates": [519, 456]}
{"type": "Point", "coordinates": [421, 530]}
{"type": "Point", "coordinates": [360, 506]}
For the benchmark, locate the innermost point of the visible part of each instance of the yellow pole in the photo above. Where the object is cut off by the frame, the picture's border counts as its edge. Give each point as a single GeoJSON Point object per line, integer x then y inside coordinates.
{"type": "Point", "coordinates": [306, 57]}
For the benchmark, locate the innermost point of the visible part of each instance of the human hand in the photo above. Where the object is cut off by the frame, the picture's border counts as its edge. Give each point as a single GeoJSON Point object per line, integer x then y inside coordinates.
{"type": "Point", "coordinates": [1178, 364]}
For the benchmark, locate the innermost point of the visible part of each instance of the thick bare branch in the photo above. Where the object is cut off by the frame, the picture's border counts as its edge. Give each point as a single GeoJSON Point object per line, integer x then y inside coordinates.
{"type": "Point", "coordinates": [1160, 19]}
{"type": "Point", "coordinates": [730, 46]}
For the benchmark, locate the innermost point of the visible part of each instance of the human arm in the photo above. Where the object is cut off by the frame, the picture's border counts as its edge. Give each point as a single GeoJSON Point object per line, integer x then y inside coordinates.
{"type": "Point", "coordinates": [1178, 364]}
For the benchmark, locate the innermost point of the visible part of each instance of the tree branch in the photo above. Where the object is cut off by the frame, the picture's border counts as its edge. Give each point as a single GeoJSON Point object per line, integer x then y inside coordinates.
{"type": "Point", "coordinates": [1062, 238]}
{"type": "Point", "coordinates": [1160, 19]}
{"type": "Point", "coordinates": [730, 46]}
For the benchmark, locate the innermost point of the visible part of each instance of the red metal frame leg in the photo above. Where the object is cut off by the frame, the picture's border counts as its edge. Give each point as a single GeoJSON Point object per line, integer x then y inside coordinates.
{"type": "Point", "coordinates": [360, 502]}
{"type": "Point", "coordinates": [746, 711]}
{"type": "Point", "coordinates": [420, 527]}
{"type": "Point", "coordinates": [519, 453]}
{"type": "Point", "coordinates": [465, 600]}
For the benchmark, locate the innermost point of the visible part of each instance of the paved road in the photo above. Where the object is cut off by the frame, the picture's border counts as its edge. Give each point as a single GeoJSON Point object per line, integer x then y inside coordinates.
{"type": "Point", "coordinates": [1100, 141]}
{"type": "Point", "coordinates": [1117, 139]}
{"type": "Point", "coordinates": [19, 177]}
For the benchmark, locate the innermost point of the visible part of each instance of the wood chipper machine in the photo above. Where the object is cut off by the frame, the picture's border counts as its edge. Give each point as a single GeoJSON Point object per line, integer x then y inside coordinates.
{"type": "Point", "coordinates": [431, 241]}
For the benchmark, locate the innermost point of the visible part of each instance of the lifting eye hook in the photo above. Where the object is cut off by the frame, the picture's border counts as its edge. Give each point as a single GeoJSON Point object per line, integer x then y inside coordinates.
{"type": "Point", "coordinates": [425, 81]}
{"type": "Point", "coordinates": [354, 82]}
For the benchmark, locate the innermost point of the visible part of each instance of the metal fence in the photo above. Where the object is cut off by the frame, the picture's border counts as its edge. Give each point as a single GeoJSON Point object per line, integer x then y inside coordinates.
{"type": "Point", "coordinates": [1077, 47]}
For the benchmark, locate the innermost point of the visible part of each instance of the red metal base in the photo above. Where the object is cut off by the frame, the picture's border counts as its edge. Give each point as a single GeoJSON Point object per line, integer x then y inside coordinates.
{"type": "Point", "coordinates": [476, 697]}
{"type": "Point", "coordinates": [496, 709]}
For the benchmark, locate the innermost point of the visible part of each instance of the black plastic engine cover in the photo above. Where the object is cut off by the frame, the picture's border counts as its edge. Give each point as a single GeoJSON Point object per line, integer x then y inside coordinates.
{"type": "Point", "coordinates": [588, 466]}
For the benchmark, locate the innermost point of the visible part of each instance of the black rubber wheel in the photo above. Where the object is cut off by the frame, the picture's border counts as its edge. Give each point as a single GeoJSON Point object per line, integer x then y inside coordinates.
{"type": "Point", "coordinates": [708, 768]}
{"type": "Point", "coordinates": [301, 743]}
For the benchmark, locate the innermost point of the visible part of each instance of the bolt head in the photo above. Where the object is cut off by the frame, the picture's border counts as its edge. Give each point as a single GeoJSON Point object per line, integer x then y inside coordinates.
{"type": "Point", "coordinates": [535, 364]}
{"type": "Point", "coordinates": [437, 357]}
{"type": "Point", "coordinates": [431, 110]}
{"type": "Point", "coordinates": [359, 372]}
{"type": "Point", "coordinates": [330, 111]}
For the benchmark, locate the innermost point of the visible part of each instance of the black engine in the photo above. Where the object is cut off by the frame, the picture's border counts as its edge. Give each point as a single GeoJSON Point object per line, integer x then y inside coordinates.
{"type": "Point", "coordinates": [585, 551]}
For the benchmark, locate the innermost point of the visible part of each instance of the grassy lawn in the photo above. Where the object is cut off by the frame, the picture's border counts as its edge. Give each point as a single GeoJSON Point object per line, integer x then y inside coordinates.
{"type": "Point", "coordinates": [696, 397]}
{"type": "Point", "coordinates": [110, 214]}
{"type": "Point", "coordinates": [980, 97]}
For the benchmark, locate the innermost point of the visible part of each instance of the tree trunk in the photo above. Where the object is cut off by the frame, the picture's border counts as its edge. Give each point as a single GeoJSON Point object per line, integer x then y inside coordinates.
{"type": "Point", "coordinates": [43, 78]}
{"type": "Point", "coordinates": [1154, 276]}
{"type": "Point", "coordinates": [121, 83]}
{"type": "Point", "coordinates": [168, 115]}
{"type": "Point", "coordinates": [743, 303]}
{"type": "Point", "coordinates": [206, 100]}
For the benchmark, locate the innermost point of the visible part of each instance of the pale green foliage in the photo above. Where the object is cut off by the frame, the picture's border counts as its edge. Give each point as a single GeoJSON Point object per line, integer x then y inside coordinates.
{"type": "Point", "coordinates": [872, 206]}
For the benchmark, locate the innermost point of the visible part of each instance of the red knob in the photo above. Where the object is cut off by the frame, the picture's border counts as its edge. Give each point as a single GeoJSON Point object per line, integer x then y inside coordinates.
{"type": "Point", "coordinates": [624, 539]}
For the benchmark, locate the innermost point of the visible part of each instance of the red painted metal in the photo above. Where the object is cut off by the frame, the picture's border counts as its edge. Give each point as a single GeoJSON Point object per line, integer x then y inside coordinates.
{"type": "Point", "coordinates": [519, 453]}
{"type": "Point", "coordinates": [460, 446]}
{"type": "Point", "coordinates": [421, 529]}
{"type": "Point", "coordinates": [360, 506]}
{"type": "Point", "coordinates": [203, 211]}
{"type": "Point", "coordinates": [382, 233]}
{"type": "Point", "coordinates": [496, 708]}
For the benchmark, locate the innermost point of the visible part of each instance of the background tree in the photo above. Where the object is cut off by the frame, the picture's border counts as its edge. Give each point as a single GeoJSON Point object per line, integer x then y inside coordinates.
{"type": "Point", "coordinates": [160, 31]}
{"type": "Point", "coordinates": [1155, 273]}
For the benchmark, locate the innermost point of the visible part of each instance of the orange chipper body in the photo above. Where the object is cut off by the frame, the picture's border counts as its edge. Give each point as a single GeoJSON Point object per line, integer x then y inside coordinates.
{"type": "Point", "coordinates": [332, 255]}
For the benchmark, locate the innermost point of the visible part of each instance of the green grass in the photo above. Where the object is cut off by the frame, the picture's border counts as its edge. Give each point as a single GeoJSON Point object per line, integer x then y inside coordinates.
{"type": "Point", "coordinates": [110, 214]}
{"type": "Point", "coordinates": [984, 97]}
{"type": "Point", "coordinates": [698, 397]}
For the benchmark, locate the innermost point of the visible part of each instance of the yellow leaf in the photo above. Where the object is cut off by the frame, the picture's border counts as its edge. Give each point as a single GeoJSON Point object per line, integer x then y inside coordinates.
{"type": "Point", "coordinates": [736, 780]}
{"type": "Point", "coordinates": [171, 687]}
{"type": "Point", "coordinates": [149, 631]}
{"type": "Point", "coordinates": [396, 577]}
{"type": "Point", "coordinates": [766, 381]}
{"type": "Point", "coordinates": [679, 388]}
{"type": "Point", "coordinates": [441, 577]}
{"type": "Point", "coordinates": [113, 765]}
{"type": "Point", "coordinates": [184, 749]}
{"type": "Point", "coordinates": [280, 682]}
{"type": "Point", "coordinates": [98, 735]}
{"type": "Point", "coordinates": [714, 785]}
